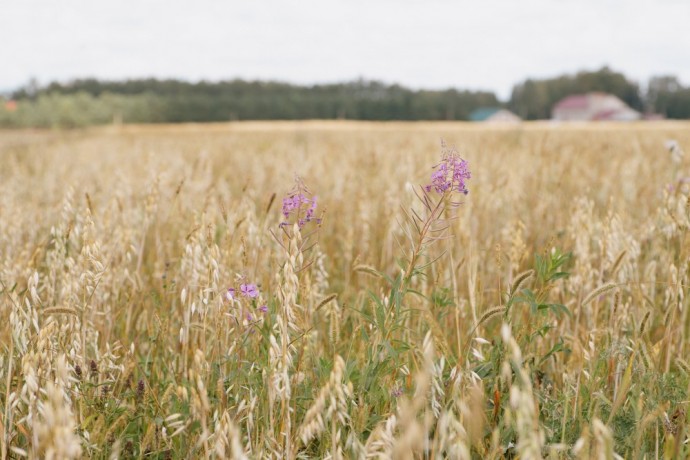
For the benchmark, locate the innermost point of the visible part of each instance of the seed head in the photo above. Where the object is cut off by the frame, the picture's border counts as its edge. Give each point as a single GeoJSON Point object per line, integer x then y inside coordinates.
{"type": "Point", "coordinates": [140, 389]}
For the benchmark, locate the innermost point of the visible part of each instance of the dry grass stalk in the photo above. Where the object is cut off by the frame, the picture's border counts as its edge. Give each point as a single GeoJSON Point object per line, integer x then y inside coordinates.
{"type": "Point", "coordinates": [121, 341]}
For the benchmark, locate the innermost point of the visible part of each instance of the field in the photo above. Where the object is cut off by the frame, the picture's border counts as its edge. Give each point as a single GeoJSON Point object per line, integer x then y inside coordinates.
{"type": "Point", "coordinates": [162, 300]}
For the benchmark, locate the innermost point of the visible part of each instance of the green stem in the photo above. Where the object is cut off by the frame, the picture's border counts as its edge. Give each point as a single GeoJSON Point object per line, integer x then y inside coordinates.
{"type": "Point", "coordinates": [417, 250]}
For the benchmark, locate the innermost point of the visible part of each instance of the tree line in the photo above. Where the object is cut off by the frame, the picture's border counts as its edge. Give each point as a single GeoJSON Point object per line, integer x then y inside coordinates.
{"type": "Point", "coordinates": [91, 101]}
{"type": "Point", "coordinates": [664, 95]}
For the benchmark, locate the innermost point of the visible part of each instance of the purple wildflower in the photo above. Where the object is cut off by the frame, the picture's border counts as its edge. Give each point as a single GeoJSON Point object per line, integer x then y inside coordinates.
{"type": "Point", "coordinates": [291, 203]}
{"type": "Point", "coordinates": [263, 308]}
{"type": "Point", "coordinates": [230, 295]}
{"type": "Point", "coordinates": [397, 392]}
{"type": "Point", "coordinates": [249, 290]}
{"type": "Point", "coordinates": [250, 317]}
{"type": "Point", "coordinates": [450, 175]}
{"type": "Point", "coordinates": [299, 206]}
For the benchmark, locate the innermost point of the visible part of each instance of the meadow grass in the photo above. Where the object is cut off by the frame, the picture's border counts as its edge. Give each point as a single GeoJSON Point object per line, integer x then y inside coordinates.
{"type": "Point", "coordinates": [161, 301]}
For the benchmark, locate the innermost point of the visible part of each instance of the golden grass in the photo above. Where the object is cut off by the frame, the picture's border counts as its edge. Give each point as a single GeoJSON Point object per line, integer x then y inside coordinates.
{"type": "Point", "coordinates": [118, 246]}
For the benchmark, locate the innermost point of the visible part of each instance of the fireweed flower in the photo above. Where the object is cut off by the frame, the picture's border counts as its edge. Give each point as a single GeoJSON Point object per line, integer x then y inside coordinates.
{"type": "Point", "coordinates": [450, 174]}
{"type": "Point", "coordinates": [249, 290]}
{"type": "Point", "coordinates": [299, 207]}
{"type": "Point", "coordinates": [247, 303]}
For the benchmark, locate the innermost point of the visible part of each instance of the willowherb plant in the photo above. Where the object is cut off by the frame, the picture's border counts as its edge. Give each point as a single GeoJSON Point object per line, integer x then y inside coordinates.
{"type": "Point", "coordinates": [450, 174]}
{"type": "Point", "coordinates": [447, 181]}
{"type": "Point", "coordinates": [393, 319]}
{"type": "Point", "coordinates": [299, 206]}
{"type": "Point", "coordinates": [247, 300]}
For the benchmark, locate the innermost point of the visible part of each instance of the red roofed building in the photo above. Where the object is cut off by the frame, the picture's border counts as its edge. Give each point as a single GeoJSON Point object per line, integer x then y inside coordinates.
{"type": "Point", "coordinates": [593, 106]}
{"type": "Point", "coordinates": [11, 106]}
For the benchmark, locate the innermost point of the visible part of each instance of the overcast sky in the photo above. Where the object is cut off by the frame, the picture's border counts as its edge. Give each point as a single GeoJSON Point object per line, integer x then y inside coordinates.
{"type": "Point", "coordinates": [480, 44]}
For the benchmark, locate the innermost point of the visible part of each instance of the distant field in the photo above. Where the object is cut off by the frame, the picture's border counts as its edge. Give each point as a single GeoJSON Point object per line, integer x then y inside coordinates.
{"type": "Point", "coordinates": [544, 314]}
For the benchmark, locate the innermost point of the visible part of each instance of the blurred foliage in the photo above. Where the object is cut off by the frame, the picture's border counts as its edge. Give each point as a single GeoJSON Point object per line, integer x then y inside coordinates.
{"type": "Point", "coordinates": [85, 102]}
{"type": "Point", "coordinates": [90, 101]}
{"type": "Point", "coordinates": [534, 99]}
{"type": "Point", "coordinates": [55, 110]}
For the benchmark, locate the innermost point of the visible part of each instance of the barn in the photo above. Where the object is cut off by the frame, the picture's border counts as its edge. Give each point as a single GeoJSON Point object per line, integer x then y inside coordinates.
{"type": "Point", "coordinates": [495, 115]}
{"type": "Point", "coordinates": [593, 107]}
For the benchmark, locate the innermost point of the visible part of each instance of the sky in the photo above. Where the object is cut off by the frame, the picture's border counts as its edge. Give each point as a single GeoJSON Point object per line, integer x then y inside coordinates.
{"type": "Point", "coordinates": [431, 44]}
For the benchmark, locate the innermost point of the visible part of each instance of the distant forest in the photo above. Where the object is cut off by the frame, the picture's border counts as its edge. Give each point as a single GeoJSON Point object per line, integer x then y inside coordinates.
{"type": "Point", "coordinates": [90, 101]}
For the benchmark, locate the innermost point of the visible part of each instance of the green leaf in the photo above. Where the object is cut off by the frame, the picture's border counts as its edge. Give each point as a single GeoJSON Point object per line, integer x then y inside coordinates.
{"type": "Point", "coordinates": [558, 347]}
{"type": "Point", "coordinates": [530, 298]}
{"type": "Point", "coordinates": [560, 309]}
{"type": "Point", "coordinates": [484, 370]}
{"type": "Point", "coordinates": [380, 316]}
{"type": "Point", "coordinates": [542, 331]}
{"type": "Point", "coordinates": [392, 352]}
{"type": "Point", "coordinates": [416, 292]}
{"type": "Point", "coordinates": [365, 335]}
{"type": "Point", "coordinates": [558, 275]}
{"type": "Point", "coordinates": [442, 297]}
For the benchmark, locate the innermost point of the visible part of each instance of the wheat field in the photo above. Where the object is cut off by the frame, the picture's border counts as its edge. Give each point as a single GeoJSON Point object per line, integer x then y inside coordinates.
{"type": "Point", "coordinates": [292, 290]}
